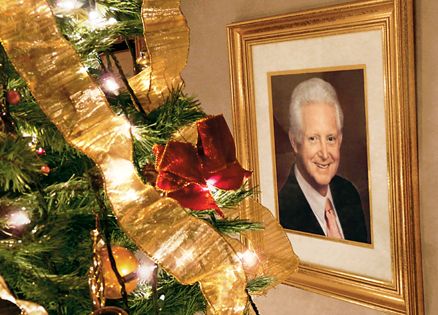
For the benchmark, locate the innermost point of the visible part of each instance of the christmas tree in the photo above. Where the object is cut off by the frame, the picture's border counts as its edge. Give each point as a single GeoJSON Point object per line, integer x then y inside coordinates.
{"type": "Point", "coordinates": [74, 235]}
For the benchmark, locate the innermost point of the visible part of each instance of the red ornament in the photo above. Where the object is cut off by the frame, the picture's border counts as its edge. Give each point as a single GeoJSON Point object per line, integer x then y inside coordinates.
{"type": "Point", "coordinates": [40, 151]}
{"type": "Point", "coordinates": [13, 97]}
{"type": "Point", "coordinates": [45, 169]}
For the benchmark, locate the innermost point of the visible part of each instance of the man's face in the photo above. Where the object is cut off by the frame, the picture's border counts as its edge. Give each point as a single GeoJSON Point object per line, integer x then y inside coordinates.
{"type": "Point", "coordinates": [318, 154]}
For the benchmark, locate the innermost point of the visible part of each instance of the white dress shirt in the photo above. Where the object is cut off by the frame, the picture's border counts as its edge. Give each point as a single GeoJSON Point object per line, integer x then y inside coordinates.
{"type": "Point", "coordinates": [317, 202]}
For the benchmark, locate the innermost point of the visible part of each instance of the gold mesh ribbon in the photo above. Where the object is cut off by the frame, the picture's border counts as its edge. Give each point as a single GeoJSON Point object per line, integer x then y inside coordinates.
{"type": "Point", "coordinates": [167, 40]}
{"type": "Point", "coordinates": [27, 308]}
{"type": "Point", "coordinates": [188, 248]}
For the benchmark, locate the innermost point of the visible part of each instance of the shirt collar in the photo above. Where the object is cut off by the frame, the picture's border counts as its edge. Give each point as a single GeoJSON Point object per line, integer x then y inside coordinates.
{"type": "Point", "coordinates": [314, 198]}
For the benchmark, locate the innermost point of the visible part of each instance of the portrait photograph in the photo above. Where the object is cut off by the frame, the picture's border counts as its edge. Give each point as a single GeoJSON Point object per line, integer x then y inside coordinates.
{"type": "Point", "coordinates": [317, 106]}
{"type": "Point", "coordinates": [320, 139]}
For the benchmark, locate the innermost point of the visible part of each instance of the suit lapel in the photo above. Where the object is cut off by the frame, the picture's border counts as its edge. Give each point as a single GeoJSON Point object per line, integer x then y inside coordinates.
{"type": "Point", "coordinates": [307, 217]}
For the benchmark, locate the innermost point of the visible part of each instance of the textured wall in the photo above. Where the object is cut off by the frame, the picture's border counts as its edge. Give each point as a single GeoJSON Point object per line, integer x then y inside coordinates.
{"type": "Point", "coordinates": [207, 77]}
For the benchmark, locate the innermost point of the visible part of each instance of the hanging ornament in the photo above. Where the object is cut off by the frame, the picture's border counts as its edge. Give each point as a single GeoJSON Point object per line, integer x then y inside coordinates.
{"type": "Point", "coordinates": [13, 97]}
{"type": "Point", "coordinates": [41, 151]}
{"type": "Point", "coordinates": [45, 169]}
{"type": "Point", "coordinates": [127, 266]}
{"type": "Point", "coordinates": [14, 220]}
{"type": "Point", "coordinates": [95, 276]}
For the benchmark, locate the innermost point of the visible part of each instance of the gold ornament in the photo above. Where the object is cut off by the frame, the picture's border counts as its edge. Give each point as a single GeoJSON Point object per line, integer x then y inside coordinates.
{"type": "Point", "coordinates": [27, 308]}
{"type": "Point", "coordinates": [127, 266]}
{"type": "Point", "coordinates": [95, 274]}
{"type": "Point", "coordinates": [186, 247]}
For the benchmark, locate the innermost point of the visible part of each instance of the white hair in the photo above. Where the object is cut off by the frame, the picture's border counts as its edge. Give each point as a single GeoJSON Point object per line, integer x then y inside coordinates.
{"type": "Point", "coordinates": [314, 90]}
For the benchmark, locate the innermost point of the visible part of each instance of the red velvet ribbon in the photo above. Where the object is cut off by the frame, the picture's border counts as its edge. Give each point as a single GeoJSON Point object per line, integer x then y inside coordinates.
{"type": "Point", "coordinates": [186, 172]}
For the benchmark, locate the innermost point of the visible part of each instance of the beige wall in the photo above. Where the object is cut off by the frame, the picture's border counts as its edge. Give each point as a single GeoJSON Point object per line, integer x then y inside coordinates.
{"type": "Point", "coordinates": [207, 77]}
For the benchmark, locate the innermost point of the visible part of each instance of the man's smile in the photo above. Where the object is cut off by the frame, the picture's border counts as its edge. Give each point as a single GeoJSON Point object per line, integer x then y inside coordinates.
{"type": "Point", "coordinates": [322, 166]}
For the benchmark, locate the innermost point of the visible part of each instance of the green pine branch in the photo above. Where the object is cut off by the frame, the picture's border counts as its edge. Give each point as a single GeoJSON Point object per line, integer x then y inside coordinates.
{"type": "Point", "coordinates": [19, 165]}
{"type": "Point", "coordinates": [158, 126]}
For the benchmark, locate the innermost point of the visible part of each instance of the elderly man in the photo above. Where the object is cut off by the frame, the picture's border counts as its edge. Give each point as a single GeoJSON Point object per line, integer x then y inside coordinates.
{"type": "Point", "coordinates": [314, 199]}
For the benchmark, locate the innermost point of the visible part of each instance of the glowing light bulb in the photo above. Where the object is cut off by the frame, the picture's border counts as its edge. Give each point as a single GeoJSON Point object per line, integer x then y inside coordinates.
{"type": "Point", "coordinates": [111, 21]}
{"type": "Point", "coordinates": [249, 258]}
{"type": "Point", "coordinates": [210, 184]}
{"type": "Point", "coordinates": [95, 17]}
{"type": "Point", "coordinates": [146, 268]}
{"type": "Point", "coordinates": [145, 273]}
{"type": "Point", "coordinates": [64, 6]}
{"type": "Point", "coordinates": [82, 70]}
{"type": "Point", "coordinates": [96, 20]}
{"type": "Point", "coordinates": [111, 85]}
{"type": "Point", "coordinates": [120, 171]}
{"type": "Point", "coordinates": [18, 219]}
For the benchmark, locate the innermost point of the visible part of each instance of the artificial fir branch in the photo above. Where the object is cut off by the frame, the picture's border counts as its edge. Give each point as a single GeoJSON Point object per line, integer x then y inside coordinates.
{"type": "Point", "coordinates": [231, 198]}
{"type": "Point", "coordinates": [259, 283]}
{"type": "Point", "coordinates": [177, 111]}
{"type": "Point", "coordinates": [175, 298]}
{"type": "Point", "coordinates": [19, 165]}
{"type": "Point", "coordinates": [227, 226]}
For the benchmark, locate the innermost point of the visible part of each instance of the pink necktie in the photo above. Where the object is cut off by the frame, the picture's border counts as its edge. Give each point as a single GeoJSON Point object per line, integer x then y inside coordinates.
{"type": "Point", "coordinates": [330, 220]}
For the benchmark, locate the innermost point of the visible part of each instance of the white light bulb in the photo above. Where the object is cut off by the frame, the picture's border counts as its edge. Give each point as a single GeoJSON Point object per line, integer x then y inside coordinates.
{"type": "Point", "coordinates": [111, 21]}
{"type": "Point", "coordinates": [96, 20]}
{"type": "Point", "coordinates": [67, 5]}
{"type": "Point", "coordinates": [249, 258]}
{"type": "Point", "coordinates": [120, 171]}
{"type": "Point", "coordinates": [18, 219]}
{"type": "Point", "coordinates": [146, 268]}
{"type": "Point", "coordinates": [111, 85]}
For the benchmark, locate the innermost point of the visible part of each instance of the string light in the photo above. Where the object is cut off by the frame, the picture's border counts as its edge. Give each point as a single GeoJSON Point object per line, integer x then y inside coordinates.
{"type": "Point", "coordinates": [248, 258]}
{"type": "Point", "coordinates": [120, 171]}
{"type": "Point", "coordinates": [146, 268]}
{"type": "Point", "coordinates": [66, 6]}
{"type": "Point", "coordinates": [18, 219]}
{"type": "Point", "coordinates": [109, 84]}
{"type": "Point", "coordinates": [96, 20]}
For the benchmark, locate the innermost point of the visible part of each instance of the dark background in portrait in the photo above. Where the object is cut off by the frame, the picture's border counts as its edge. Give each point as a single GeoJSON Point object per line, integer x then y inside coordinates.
{"type": "Point", "coordinates": [349, 85]}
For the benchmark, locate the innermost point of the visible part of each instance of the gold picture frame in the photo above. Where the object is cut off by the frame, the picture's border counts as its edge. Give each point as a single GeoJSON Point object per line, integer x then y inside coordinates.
{"type": "Point", "coordinates": [375, 38]}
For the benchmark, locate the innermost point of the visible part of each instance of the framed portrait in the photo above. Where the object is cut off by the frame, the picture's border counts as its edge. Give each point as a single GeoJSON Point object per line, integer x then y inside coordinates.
{"type": "Point", "coordinates": [324, 114]}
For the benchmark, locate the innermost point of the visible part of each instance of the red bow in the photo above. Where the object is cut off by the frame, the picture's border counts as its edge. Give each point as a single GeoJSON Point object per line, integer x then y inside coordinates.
{"type": "Point", "coordinates": [185, 172]}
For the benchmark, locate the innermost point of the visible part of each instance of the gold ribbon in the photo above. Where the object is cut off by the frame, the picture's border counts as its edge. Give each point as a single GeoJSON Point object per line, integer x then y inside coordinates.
{"type": "Point", "coordinates": [27, 308]}
{"type": "Point", "coordinates": [167, 40]}
{"type": "Point", "coordinates": [188, 248]}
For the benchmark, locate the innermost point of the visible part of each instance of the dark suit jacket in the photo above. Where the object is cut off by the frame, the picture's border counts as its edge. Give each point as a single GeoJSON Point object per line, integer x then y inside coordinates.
{"type": "Point", "coordinates": [296, 214]}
